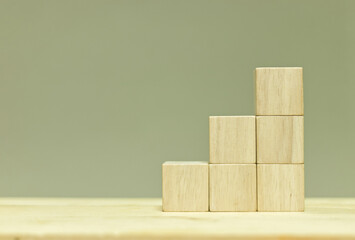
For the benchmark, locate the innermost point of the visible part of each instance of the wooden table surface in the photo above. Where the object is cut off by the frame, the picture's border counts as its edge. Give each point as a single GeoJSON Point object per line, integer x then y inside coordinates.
{"type": "Point", "coordinates": [143, 219]}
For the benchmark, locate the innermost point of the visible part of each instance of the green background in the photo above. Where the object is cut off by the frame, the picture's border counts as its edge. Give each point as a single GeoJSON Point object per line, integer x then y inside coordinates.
{"type": "Point", "coordinates": [96, 95]}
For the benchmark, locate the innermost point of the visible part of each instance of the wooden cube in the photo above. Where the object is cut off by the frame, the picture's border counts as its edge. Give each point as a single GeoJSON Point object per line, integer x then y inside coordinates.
{"type": "Point", "coordinates": [232, 139]}
{"type": "Point", "coordinates": [280, 139]}
{"type": "Point", "coordinates": [233, 187]}
{"type": "Point", "coordinates": [185, 186]}
{"type": "Point", "coordinates": [280, 187]}
{"type": "Point", "coordinates": [279, 91]}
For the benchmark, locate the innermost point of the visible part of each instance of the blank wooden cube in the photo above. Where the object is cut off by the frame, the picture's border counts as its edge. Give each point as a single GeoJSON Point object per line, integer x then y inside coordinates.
{"type": "Point", "coordinates": [233, 187]}
{"type": "Point", "coordinates": [280, 139]}
{"type": "Point", "coordinates": [232, 139]}
{"type": "Point", "coordinates": [280, 187]}
{"type": "Point", "coordinates": [185, 186]}
{"type": "Point", "coordinates": [279, 91]}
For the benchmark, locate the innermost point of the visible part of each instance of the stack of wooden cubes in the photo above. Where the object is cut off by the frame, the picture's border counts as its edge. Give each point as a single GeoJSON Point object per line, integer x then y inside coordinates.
{"type": "Point", "coordinates": [256, 162]}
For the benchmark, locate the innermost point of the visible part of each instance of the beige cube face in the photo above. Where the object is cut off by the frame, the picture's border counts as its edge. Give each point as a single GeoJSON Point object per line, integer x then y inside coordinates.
{"type": "Point", "coordinates": [185, 186]}
{"type": "Point", "coordinates": [233, 188]}
{"type": "Point", "coordinates": [280, 187]}
{"type": "Point", "coordinates": [280, 139]}
{"type": "Point", "coordinates": [279, 91]}
{"type": "Point", "coordinates": [232, 139]}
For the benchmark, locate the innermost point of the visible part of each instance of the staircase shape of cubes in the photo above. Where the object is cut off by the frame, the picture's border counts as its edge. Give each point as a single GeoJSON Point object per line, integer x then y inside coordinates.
{"type": "Point", "coordinates": [256, 162]}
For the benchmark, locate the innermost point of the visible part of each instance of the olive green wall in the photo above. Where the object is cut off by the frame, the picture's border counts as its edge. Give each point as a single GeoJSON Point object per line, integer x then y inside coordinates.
{"type": "Point", "coordinates": [95, 95]}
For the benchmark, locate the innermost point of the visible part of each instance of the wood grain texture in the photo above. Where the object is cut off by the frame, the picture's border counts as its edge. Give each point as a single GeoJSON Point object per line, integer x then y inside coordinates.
{"type": "Point", "coordinates": [232, 139]}
{"type": "Point", "coordinates": [280, 139]}
{"type": "Point", "coordinates": [279, 91]}
{"type": "Point", "coordinates": [138, 219]}
{"type": "Point", "coordinates": [233, 187]}
{"type": "Point", "coordinates": [280, 187]}
{"type": "Point", "coordinates": [185, 186]}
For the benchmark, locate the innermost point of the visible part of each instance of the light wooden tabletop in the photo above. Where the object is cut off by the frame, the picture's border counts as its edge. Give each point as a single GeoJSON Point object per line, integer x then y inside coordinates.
{"type": "Point", "coordinates": [143, 219]}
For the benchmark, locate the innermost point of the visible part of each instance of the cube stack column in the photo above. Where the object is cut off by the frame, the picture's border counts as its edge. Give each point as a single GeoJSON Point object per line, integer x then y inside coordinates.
{"type": "Point", "coordinates": [280, 139]}
{"type": "Point", "coordinates": [232, 163]}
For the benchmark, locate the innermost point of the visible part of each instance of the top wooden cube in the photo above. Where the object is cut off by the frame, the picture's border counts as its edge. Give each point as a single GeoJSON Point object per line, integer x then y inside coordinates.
{"type": "Point", "coordinates": [279, 91]}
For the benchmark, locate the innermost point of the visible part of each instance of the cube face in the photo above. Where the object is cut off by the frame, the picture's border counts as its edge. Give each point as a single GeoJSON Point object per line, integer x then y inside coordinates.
{"type": "Point", "coordinates": [279, 91]}
{"type": "Point", "coordinates": [232, 139]}
{"type": "Point", "coordinates": [280, 187]}
{"type": "Point", "coordinates": [185, 186]}
{"type": "Point", "coordinates": [280, 139]}
{"type": "Point", "coordinates": [233, 187]}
